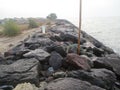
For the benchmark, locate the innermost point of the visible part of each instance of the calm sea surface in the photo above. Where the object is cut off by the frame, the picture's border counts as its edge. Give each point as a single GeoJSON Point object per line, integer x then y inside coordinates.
{"type": "Point", "coordinates": [105, 29]}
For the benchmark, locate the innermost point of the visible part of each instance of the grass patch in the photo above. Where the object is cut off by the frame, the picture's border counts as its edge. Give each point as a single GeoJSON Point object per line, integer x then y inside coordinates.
{"type": "Point", "coordinates": [11, 28]}
{"type": "Point", "coordinates": [23, 27]}
{"type": "Point", "coordinates": [33, 23]}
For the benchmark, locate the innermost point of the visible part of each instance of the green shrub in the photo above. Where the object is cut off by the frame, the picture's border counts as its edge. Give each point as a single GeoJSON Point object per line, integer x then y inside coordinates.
{"type": "Point", "coordinates": [11, 28]}
{"type": "Point", "coordinates": [32, 24]}
{"type": "Point", "coordinates": [52, 16]}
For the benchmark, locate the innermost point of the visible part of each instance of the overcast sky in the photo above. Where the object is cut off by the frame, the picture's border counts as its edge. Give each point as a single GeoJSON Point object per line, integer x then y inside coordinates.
{"type": "Point", "coordinates": [63, 8]}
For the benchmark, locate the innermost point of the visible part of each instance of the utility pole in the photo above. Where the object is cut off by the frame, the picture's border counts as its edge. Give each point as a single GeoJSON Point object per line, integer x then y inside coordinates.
{"type": "Point", "coordinates": [80, 22]}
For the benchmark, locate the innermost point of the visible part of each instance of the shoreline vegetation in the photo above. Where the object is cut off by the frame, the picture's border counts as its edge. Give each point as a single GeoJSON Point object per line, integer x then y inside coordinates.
{"type": "Point", "coordinates": [14, 30]}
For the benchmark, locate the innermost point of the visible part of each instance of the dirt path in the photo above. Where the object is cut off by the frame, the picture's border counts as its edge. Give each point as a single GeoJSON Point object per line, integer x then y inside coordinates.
{"type": "Point", "coordinates": [5, 42]}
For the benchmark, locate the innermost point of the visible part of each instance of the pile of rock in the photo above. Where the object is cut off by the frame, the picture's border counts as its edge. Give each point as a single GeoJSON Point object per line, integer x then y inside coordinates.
{"type": "Point", "coordinates": [50, 62]}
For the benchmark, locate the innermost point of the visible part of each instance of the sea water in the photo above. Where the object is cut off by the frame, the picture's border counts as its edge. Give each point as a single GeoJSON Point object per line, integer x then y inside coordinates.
{"type": "Point", "coordinates": [104, 29]}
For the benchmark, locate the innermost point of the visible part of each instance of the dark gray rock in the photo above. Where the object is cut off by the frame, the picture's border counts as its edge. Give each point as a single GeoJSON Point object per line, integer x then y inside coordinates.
{"type": "Point", "coordinates": [69, 37]}
{"type": "Point", "coordinates": [6, 62]}
{"type": "Point", "coordinates": [101, 77]}
{"type": "Point", "coordinates": [56, 37]}
{"type": "Point", "coordinates": [116, 88]}
{"type": "Point", "coordinates": [111, 62]}
{"type": "Point", "coordinates": [6, 87]}
{"type": "Point", "coordinates": [39, 41]}
{"type": "Point", "coordinates": [55, 60]}
{"type": "Point", "coordinates": [61, 49]}
{"type": "Point", "coordinates": [71, 84]}
{"type": "Point", "coordinates": [117, 85]}
{"type": "Point", "coordinates": [2, 59]}
{"type": "Point", "coordinates": [24, 70]}
{"type": "Point", "coordinates": [39, 54]}
{"type": "Point", "coordinates": [16, 52]}
{"type": "Point", "coordinates": [72, 48]}
{"type": "Point", "coordinates": [98, 52]}
{"type": "Point", "coordinates": [33, 46]}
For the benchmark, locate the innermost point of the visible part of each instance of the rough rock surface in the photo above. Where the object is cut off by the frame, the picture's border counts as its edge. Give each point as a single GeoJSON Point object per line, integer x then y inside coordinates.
{"type": "Point", "coordinates": [38, 54]}
{"type": "Point", "coordinates": [71, 84]}
{"type": "Point", "coordinates": [20, 71]}
{"type": "Point", "coordinates": [111, 62]}
{"type": "Point", "coordinates": [17, 52]}
{"type": "Point", "coordinates": [55, 60]}
{"type": "Point", "coordinates": [101, 77]}
{"type": "Point", "coordinates": [77, 61]}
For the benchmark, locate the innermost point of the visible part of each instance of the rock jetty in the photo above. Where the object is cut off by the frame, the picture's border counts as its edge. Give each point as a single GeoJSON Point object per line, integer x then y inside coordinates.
{"type": "Point", "coordinates": [50, 62]}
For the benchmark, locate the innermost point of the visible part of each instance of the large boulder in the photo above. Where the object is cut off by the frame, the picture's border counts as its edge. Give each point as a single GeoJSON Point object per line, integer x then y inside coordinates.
{"type": "Point", "coordinates": [69, 37]}
{"type": "Point", "coordinates": [39, 54]}
{"type": "Point", "coordinates": [101, 77]}
{"type": "Point", "coordinates": [24, 70]}
{"type": "Point", "coordinates": [71, 84]}
{"type": "Point", "coordinates": [111, 62]}
{"type": "Point", "coordinates": [55, 60]}
{"type": "Point", "coordinates": [78, 61]}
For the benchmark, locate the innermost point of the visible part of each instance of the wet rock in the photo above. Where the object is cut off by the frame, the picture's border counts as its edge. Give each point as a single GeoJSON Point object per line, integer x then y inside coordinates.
{"type": "Point", "coordinates": [111, 62]}
{"type": "Point", "coordinates": [55, 60]}
{"type": "Point", "coordinates": [25, 86]}
{"type": "Point", "coordinates": [78, 62]}
{"type": "Point", "coordinates": [24, 70]}
{"type": "Point", "coordinates": [71, 84]}
{"type": "Point", "coordinates": [101, 77]}
{"type": "Point", "coordinates": [39, 54]}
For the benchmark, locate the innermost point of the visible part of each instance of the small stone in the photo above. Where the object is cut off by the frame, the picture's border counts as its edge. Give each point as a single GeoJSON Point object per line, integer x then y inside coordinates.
{"type": "Point", "coordinates": [60, 74]}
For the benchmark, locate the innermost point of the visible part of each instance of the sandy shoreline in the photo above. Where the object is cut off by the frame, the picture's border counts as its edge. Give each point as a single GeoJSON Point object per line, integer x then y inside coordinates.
{"type": "Point", "coordinates": [8, 42]}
